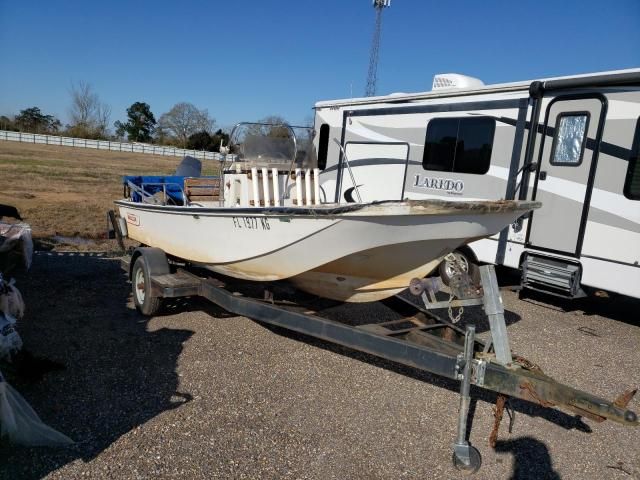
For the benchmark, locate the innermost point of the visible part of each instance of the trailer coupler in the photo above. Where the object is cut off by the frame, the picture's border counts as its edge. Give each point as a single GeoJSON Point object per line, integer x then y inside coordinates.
{"type": "Point", "coordinates": [538, 388]}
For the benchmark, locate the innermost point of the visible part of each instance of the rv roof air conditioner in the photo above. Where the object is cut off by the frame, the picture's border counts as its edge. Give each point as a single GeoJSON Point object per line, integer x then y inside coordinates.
{"type": "Point", "coordinates": [455, 80]}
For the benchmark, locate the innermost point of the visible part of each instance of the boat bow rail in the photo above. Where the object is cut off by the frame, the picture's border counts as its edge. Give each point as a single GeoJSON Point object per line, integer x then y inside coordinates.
{"type": "Point", "coordinates": [420, 339]}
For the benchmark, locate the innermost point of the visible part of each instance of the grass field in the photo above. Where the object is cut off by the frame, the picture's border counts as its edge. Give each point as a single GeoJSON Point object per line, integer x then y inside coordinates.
{"type": "Point", "coordinates": [67, 191]}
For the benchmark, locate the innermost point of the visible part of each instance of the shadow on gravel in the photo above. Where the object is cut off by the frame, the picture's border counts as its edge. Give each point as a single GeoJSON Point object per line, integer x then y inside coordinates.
{"type": "Point", "coordinates": [117, 375]}
{"type": "Point", "coordinates": [615, 307]}
{"type": "Point", "coordinates": [473, 315]}
{"type": "Point", "coordinates": [531, 459]}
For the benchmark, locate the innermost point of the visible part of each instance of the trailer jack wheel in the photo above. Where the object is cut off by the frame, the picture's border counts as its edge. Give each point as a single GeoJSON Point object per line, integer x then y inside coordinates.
{"type": "Point", "coordinates": [466, 458]}
{"type": "Point", "coordinates": [475, 461]}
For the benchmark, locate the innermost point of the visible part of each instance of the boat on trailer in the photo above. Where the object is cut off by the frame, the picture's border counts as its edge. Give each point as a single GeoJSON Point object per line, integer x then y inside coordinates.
{"type": "Point", "coordinates": [264, 219]}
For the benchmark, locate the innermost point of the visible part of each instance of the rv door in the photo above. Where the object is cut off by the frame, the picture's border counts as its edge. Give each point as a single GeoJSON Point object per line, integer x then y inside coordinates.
{"type": "Point", "coordinates": [566, 166]}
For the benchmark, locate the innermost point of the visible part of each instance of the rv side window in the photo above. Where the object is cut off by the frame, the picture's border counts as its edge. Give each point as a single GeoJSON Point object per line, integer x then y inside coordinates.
{"type": "Point", "coordinates": [632, 182]}
{"type": "Point", "coordinates": [570, 139]}
{"type": "Point", "coordinates": [323, 146]}
{"type": "Point", "coordinates": [461, 145]}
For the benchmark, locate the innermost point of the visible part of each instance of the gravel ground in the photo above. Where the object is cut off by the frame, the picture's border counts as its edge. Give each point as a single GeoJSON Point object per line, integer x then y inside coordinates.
{"type": "Point", "coordinates": [199, 393]}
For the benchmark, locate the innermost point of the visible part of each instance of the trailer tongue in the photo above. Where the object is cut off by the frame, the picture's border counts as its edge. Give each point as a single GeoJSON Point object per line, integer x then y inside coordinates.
{"type": "Point", "coordinates": [419, 339]}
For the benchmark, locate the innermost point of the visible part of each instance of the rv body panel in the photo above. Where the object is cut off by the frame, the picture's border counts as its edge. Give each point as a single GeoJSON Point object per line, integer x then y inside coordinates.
{"type": "Point", "coordinates": [379, 170]}
{"type": "Point", "coordinates": [388, 124]}
{"type": "Point", "coordinates": [586, 220]}
{"type": "Point", "coordinates": [611, 250]}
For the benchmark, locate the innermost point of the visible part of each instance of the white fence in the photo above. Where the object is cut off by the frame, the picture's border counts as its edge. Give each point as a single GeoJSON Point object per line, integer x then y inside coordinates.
{"type": "Point", "coordinates": [107, 145]}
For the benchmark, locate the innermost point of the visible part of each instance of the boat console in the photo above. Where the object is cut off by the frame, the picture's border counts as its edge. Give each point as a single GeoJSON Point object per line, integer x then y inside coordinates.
{"type": "Point", "coordinates": [264, 165]}
{"type": "Point", "coordinates": [271, 165]}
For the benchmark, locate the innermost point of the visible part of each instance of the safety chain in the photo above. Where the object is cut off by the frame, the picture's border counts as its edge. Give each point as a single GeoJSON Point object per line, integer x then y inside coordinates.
{"type": "Point", "coordinates": [457, 267]}
{"type": "Point", "coordinates": [527, 364]}
{"type": "Point", "coordinates": [458, 316]}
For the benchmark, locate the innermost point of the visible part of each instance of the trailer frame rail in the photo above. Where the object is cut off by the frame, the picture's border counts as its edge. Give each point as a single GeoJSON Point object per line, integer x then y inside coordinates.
{"type": "Point", "coordinates": [422, 340]}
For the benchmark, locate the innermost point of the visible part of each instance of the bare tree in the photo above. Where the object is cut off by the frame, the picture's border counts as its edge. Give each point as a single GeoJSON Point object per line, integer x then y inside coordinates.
{"type": "Point", "coordinates": [103, 117]}
{"type": "Point", "coordinates": [84, 104]}
{"type": "Point", "coordinates": [274, 120]}
{"type": "Point", "coordinates": [89, 116]}
{"type": "Point", "coordinates": [271, 125]}
{"type": "Point", "coordinates": [183, 120]}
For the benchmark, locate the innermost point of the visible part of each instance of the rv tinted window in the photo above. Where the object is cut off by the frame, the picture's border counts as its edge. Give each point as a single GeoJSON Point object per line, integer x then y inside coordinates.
{"type": "Point", "coordinates": [475, 140]}
{"type": "Point", "coordinates": [323, 146]}
{"type": "Point", "coordinates": [632, 183]}
{"type": "Point", "coordinates": [461, 145]}
{"type": "Point", "coordinates": [570, 139]}
{"type": "Point", "coordinates": [440, 145]}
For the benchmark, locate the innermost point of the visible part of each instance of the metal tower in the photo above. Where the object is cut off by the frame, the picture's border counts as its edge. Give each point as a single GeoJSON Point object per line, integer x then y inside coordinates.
{"type": "Point", "coordinates": [372, 76]}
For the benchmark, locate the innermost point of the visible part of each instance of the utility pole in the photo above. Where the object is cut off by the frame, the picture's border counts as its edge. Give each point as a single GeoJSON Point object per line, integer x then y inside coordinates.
{"type": "Point", "coordinates": [372, 75]}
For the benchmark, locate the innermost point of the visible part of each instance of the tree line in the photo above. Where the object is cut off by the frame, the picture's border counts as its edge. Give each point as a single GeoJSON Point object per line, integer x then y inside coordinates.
{"type": "Point", "coordinates": [184, 125]}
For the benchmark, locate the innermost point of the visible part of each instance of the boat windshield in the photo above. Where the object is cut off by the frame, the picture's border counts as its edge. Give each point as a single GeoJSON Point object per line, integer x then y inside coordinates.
{"type": "Point", "coordinates": [273, 145]}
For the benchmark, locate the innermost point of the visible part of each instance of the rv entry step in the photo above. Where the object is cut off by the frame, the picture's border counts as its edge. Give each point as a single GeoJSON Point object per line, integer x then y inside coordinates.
{"type": "Point", "coordinates": [552, 275]}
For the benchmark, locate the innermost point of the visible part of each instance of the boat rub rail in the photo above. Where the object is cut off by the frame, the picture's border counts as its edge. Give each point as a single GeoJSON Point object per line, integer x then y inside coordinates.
{"type": "Point", "coordinates": [414, 206]}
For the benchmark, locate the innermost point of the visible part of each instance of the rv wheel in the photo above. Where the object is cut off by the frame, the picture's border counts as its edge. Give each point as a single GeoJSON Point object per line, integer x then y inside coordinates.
{"type": "Point", "coordinates": [448, 270]}
{"type": "Point", "coordinates": [141, 289]}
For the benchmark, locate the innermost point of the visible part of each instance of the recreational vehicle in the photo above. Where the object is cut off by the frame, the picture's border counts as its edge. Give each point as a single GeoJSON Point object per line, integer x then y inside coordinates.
{"type": "Point", "coordinates": [572, 143]}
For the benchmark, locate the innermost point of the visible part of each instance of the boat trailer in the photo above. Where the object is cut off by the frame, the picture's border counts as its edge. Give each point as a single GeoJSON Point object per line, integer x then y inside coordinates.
{"type": "Point", "coordinates": [421, 339]}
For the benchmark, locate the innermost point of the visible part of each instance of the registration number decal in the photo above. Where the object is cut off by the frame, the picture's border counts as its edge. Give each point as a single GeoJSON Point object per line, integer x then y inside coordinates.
{"type": "Point", "coordinates": [251, 223]}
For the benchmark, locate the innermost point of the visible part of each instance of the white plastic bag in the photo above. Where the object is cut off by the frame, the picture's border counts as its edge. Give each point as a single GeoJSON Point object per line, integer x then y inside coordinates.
{"type": "Point", "coordinates": [17, 236]}
{"type": "Point", "coordinates": [20, 424]}
{"type": "Point", "coordinates": [10, 341]}
{"type": "Point", "coordinates": [11, 302]}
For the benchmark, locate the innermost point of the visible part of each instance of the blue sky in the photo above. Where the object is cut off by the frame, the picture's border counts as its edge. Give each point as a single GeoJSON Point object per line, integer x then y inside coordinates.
{"type": "Point", "coordinates": [247, 59]}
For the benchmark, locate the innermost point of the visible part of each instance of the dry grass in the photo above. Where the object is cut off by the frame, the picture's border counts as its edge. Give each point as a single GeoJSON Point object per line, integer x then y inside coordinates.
{"type": "Point", "coordinates": [67, 191]}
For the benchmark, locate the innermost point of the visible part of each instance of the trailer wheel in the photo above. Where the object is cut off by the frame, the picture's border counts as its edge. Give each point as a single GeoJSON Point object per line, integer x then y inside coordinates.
{"type": "Point", "coordinates": [447, 270]}
{"type": "Point", "coordinates": [475, 461]}
{"type": "Point", "coordinates": [141, 289]}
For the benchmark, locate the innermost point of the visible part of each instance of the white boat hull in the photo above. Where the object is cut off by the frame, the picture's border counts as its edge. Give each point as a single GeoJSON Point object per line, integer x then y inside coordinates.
{"type": "Point", "coordinates": [354, 253]}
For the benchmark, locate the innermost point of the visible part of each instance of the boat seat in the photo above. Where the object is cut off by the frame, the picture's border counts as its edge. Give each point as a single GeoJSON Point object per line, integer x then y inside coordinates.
{"type": "Point", "coordinates": [202, 189]}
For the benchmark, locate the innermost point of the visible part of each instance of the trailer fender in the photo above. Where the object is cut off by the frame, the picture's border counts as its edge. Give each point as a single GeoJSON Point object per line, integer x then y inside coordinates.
{"type": "Point", "coordinates": [154, 258]}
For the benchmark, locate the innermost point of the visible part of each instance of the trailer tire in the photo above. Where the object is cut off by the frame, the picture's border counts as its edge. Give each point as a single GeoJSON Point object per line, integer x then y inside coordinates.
{"type": "Point", "coordinates": [145, 303]}
{"type": "Point", "coordinates": [446, 270]}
